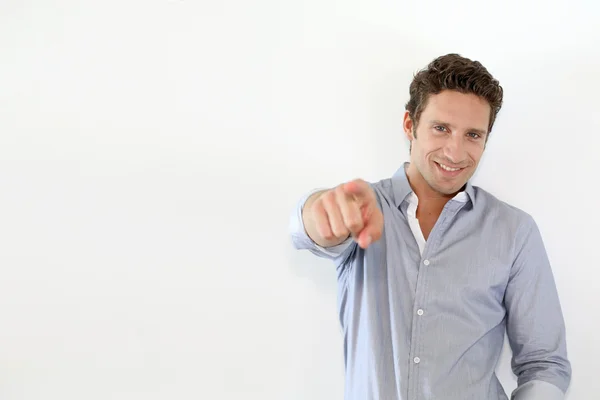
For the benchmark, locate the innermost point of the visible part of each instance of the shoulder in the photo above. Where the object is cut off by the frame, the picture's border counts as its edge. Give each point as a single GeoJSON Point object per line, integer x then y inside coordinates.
{"type": "Point", "coordinates": [384, 192]}
{"type": "Point", "coordinates": [501, 213]}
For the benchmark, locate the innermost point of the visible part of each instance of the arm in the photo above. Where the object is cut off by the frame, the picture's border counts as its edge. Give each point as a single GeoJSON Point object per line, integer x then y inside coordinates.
{"type": "Point", "coordinates": [535, 325]}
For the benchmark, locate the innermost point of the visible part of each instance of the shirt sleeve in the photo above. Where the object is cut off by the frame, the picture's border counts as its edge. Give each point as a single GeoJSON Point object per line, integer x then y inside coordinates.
{"type": "Point", "coordinates": [538, 390]}
{"type": "Point", "coordinates": [535, 324]}
{"type": "Point", "coordinates": [302, 241]}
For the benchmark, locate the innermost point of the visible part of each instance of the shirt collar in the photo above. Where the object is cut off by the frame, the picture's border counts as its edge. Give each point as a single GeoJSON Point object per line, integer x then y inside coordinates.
{"type": "Point", "coordinates": [401, 187]}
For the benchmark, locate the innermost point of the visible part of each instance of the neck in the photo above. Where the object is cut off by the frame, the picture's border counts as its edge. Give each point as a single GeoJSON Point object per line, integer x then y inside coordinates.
{"type": "Point", "coordinates": [429, 199]}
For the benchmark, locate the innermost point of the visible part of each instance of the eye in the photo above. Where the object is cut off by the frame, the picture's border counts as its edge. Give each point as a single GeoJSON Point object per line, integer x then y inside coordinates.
{"type": "Point", "coordinates": [440, 128]}
{"type": "Point", "coordinates": [474, 135]}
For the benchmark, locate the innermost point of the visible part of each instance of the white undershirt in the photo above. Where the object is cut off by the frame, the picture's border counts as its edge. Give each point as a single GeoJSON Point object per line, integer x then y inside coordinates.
{"type": "Point", "coordinates": [413, 203]}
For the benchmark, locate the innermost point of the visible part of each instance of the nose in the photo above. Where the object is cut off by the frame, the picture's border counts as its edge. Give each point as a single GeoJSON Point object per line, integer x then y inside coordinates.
{"type": "Point", "coordinates": [454, 149]}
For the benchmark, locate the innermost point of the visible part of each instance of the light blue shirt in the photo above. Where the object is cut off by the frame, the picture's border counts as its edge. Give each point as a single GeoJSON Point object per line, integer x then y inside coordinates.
{"type": "Point", "coordinates": [431, 324]}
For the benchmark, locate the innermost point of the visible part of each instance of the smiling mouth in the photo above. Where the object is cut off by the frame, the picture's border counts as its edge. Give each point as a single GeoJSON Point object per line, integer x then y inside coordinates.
{"type": "Point", "coordinates": [447, 168]}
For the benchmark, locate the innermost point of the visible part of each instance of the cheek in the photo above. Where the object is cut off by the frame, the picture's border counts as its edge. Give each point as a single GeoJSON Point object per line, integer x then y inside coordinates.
{"type": "Point", "coordinates": [427, 146]}
{"type": "Point", "coordinates": [475, 152]}
{"type": "Point", "coordinates": [433, 148]}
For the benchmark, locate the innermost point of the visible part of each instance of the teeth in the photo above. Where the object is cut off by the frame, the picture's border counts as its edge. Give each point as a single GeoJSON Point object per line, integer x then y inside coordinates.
{"type": "Point", "coordinates": [447, 168]}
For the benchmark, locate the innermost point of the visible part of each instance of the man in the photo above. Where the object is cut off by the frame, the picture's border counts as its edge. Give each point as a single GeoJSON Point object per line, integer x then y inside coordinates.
{"type": "Point", "coordinates": [431, 270]}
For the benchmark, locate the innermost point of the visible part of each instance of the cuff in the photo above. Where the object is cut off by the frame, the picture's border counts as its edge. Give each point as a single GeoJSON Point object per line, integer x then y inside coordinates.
{"type": "Point", "coordinates": [537, 390]}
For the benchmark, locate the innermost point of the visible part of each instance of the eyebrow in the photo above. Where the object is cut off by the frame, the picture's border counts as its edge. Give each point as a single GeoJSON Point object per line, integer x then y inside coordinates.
{"type": "Point", "coordinates": [479, 131]}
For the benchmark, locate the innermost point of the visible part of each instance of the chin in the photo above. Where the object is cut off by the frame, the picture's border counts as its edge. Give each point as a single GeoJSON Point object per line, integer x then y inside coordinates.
{"type": "Point", "coordinates": [447, 188]}
{"type": "Point", "coordinates": [445, 191]}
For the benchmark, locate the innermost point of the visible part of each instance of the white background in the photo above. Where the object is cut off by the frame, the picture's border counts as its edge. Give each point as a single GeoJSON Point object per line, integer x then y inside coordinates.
{"type": "Point", "coordinates": [152, 151]}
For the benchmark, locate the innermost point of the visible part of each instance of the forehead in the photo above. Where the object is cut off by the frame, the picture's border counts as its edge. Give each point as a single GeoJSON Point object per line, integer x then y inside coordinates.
{"type": "Point", "coordinates": [459, 109]}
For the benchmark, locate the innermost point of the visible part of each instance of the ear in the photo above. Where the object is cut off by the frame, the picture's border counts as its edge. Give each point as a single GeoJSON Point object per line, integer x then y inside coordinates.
{"type": "Point", "coordinates": [408, 126]}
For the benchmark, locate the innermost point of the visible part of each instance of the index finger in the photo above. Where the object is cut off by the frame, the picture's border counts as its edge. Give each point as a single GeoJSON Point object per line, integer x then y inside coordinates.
{"type": "Point", "coordinates": [359, 189]}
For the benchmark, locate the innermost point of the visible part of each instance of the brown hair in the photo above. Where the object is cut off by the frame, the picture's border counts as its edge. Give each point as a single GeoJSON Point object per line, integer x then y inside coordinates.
{"type": "Point", "coordinates": [454, 72]}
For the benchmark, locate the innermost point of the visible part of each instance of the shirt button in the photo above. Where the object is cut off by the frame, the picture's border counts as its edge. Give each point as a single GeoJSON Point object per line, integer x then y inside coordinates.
{"type": "Point", "coordinates": [426, 262]}
{"type": "Point", "coordinates": [420, 312]}
{"type": "Point", "coordinates": [417, 360]}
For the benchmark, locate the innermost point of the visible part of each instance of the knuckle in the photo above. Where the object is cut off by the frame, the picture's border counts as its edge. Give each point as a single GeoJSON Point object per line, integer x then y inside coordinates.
{"type": "Point", "coordinates": [318, 211]}
{"type": "Point", "coordinates": [325, 232]}
{"type": "Point", "coordinates": [340, 231]}
{"type": "Point", "coordinates": [354, 224]}
{"type": "Point", "coordinates": [328, 236]}
{"type": "Point", "coordinates": [328, 198]}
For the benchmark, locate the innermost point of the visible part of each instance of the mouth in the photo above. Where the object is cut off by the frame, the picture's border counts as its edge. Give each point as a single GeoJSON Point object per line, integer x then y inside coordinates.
{"type": "Point", "coordinates": [447, 170]}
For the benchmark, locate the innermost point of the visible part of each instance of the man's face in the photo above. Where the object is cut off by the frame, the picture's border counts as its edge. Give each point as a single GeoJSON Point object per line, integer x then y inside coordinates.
{"type": "Point", "coordinates": [450, 139]}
